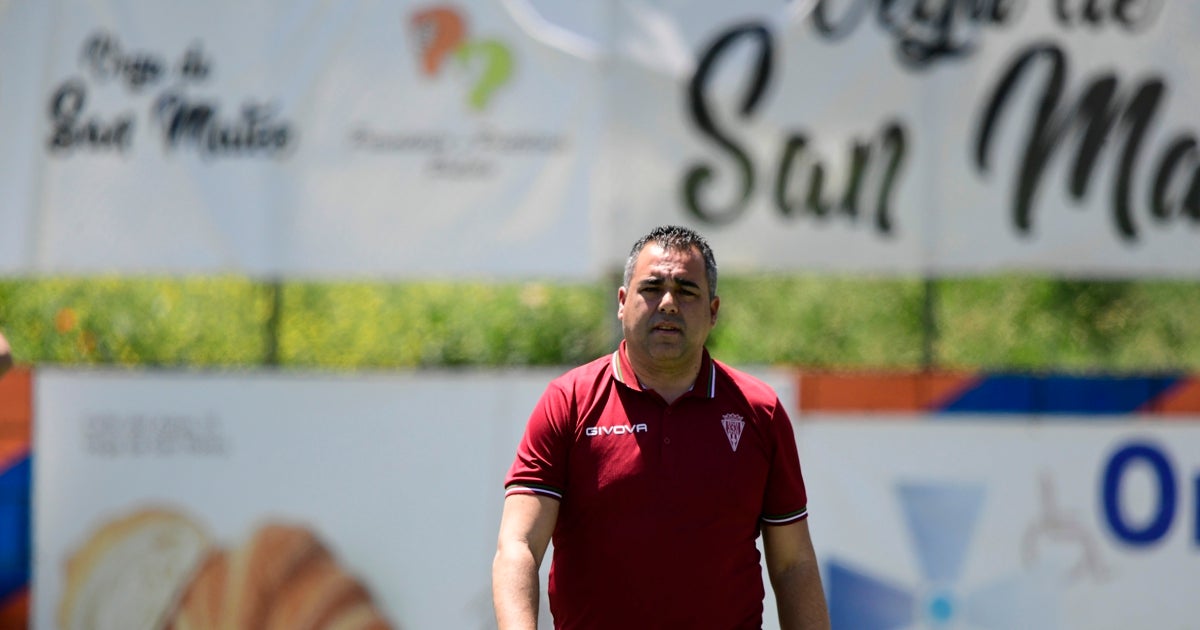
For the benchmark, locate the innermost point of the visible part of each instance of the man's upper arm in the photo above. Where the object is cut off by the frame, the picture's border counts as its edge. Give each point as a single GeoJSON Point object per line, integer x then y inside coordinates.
{"type": "Point", "coordinates": [787, 546]}
{"type": "Point", "coordinates": [525, 530]}
{"type": "Point", "coordinates": [795, 577]}
{"type": "Point", "coordinates": [540, 463]}
{"type": "Point", "coordinates": [785, 499]}
{"type": "Point", "coordinates": [528, 520]}
{"type": "Point", "coordinates": [536, 481]}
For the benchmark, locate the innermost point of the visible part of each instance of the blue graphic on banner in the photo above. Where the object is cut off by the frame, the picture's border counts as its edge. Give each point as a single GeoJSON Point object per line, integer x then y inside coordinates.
{"type": "Point", "coordinates": [941, 520]}
{"type": "Point", "coordinates": [1079, 395]}
{"type": "Point", "coordinates": [14, 527]}
{"type": "Point", "coordinates": [858, 600]}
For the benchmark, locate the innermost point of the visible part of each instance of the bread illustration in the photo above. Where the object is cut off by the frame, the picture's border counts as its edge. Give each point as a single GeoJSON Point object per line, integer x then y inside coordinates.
{"type": "Point", "coordinates": [259, 571]}
{"type": "Point", "coordinates": [202, 602]}
{"type": "Point", "coordinates": [358, 617]}
{"type": "Point", "coordinates": [127, 575]}
{"type": "Point", "coordinates": [282, 577]}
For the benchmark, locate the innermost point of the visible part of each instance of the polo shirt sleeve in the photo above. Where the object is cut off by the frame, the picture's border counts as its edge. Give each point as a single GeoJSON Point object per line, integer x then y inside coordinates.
{"type": "Point", "coordinates": [540, 466]}
{"type": "Point", "coordinates": [785, 500]}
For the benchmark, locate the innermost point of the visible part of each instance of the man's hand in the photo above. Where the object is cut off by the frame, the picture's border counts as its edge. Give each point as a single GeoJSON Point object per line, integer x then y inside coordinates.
{"type": "Point", "coordinates": [6, 360]}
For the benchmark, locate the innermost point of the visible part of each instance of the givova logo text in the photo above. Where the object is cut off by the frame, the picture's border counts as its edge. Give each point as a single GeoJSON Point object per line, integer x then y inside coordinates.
{"type": "Point", "coordinates": [619, 429]}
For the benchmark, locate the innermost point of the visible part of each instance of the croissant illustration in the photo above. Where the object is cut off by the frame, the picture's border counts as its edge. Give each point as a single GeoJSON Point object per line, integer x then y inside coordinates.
{"type": "Point", "coordinates": [157, 570]}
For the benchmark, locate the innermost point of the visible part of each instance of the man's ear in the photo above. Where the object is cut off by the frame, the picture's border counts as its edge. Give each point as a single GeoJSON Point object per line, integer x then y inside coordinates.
{"type": "Point", "coordinates": [621, 295]}
{"type": "Point", "coordinates": [714, 307]}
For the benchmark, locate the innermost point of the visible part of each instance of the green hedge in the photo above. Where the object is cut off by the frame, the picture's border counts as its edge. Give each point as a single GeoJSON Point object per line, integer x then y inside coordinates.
{"type": "Point", "coordinates": [997, 323]}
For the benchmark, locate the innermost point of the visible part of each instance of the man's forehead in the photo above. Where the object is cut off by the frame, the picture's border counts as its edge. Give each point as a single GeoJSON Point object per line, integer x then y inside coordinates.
{"type": "Point", "coordinates": [678, 263]}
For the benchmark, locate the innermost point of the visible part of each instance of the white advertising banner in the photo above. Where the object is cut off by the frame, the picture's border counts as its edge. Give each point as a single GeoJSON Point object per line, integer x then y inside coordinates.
{"type": "Point", "coordinates": [144, 480]}
{"type": "Point", "coordinates": [946, 137]}
{"type": "Point", "coordinates": [994, 523]}
{"type": "Point", "coordinates": [975, 522]}
{"type": "Point", "coordinates": [787, 151]}
{"type": "Point", "coordinates": [537, 138]}
{"type": "Point", "coordinates": [402, 477]}
{"type": "Point", "coordinates": [400, 139]}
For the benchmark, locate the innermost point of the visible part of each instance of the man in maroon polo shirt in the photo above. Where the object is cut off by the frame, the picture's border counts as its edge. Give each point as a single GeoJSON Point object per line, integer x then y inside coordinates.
{"type": "Point", "coordinates": [653, 470]}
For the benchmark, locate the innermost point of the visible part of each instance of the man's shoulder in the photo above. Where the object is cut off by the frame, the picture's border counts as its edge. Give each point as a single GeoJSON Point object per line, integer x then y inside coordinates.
{"type": "Point", "coordinates": [753, 388]}
{"type": "Point", "coordinates": [587, 376]}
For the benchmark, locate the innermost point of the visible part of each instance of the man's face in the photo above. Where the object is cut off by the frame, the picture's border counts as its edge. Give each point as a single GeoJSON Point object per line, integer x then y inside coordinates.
{"type": "Point", "coordinates": [667, 311]}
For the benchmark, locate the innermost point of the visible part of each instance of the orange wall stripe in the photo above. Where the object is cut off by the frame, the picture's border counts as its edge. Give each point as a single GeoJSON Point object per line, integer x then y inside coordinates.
{"type": "Point", "coordinates": [16, 414]}
{"type": "Point", "coordinates": [897, 392]}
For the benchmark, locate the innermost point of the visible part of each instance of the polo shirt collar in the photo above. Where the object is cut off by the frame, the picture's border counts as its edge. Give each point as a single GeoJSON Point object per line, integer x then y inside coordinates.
{"type": "Point", "coordinates": [706, 380]}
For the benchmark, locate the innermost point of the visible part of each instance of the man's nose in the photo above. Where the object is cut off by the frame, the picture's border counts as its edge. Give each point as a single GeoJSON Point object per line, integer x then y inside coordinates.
{"type": "Point", "coordinates": [667, 304]}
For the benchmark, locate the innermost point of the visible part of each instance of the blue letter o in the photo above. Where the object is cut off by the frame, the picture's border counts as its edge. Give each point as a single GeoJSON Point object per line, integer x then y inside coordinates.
{"type": "Point", "coordinates": [1161, 523]}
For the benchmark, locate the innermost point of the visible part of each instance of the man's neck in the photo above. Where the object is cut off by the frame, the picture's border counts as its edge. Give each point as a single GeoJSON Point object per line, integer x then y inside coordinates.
{"type": "Point", "coordinates": [669, 381]}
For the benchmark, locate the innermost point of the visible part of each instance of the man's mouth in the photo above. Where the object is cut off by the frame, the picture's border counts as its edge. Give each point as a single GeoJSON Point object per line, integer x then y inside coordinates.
{"type": "Point", "coordinates": [667, 328]}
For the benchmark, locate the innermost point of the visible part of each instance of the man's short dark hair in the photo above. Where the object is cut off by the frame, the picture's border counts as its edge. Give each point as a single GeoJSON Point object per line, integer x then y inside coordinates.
{"type": "Point", "coordinates": [676, 238]}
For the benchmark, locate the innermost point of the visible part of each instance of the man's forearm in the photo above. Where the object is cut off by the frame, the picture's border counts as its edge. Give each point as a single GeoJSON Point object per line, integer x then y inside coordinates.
{"type": "Point", "coordinates": [515, 589]}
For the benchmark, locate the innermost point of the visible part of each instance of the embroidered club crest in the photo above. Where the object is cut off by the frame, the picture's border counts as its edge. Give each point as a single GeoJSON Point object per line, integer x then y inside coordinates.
{"type": "Point", "coordinates": [733, 425]}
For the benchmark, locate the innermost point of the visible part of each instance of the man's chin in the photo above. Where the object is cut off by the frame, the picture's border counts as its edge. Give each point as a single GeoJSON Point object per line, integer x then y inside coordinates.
{"type": "Point", "coordinates": [668, 352]}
